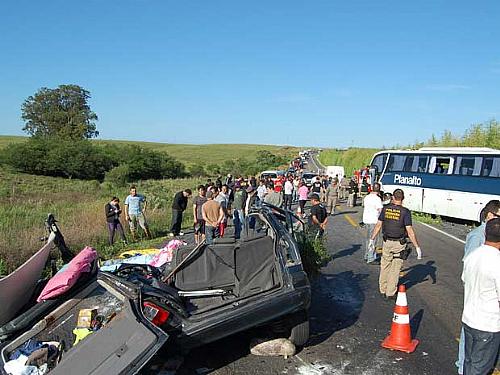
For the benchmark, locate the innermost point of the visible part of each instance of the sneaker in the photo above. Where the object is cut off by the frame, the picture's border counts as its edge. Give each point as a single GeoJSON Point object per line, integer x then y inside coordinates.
{"type": "Point", "coordinates": [181, 233]}
{"type": "Point", "coordinates": [171, 234]}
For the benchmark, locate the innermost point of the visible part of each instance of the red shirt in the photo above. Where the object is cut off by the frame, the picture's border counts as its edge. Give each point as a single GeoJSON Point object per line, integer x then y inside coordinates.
{"type": "Point", "coordinates": [278, 185]}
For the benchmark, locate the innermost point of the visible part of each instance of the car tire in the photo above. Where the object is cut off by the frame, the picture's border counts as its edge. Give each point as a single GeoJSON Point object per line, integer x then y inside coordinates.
{"type": "Point", "coordinates": [299, 332]}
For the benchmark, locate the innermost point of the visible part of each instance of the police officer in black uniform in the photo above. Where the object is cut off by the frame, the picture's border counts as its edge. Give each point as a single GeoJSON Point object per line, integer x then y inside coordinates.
{"type": "Point", "coordinates": [396, 225]}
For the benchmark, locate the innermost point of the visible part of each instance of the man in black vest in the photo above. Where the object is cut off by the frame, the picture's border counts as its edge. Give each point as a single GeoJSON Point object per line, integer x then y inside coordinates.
{"type": "Point", "coordinates": [396, 225]}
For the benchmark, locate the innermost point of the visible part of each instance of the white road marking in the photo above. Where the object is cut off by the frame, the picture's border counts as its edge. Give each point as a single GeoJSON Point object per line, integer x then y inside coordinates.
{"type": "Point", "coordinates": [442, 232]}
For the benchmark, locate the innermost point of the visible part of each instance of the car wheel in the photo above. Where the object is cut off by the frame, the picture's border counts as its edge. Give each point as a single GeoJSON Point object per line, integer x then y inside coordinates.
{"type": "Point", "coordinates": [299, 332]}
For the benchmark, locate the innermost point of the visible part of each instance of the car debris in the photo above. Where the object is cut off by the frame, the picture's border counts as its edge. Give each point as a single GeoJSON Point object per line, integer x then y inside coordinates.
{"type": "Point", "coordinates": [194, 295]}
{"type": "Point", "coordinates": [272, 347]}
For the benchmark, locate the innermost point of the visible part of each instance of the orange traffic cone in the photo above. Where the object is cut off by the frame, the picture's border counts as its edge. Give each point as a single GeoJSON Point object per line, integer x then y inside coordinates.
{"type": "Point", "coordinates": [400, 336]}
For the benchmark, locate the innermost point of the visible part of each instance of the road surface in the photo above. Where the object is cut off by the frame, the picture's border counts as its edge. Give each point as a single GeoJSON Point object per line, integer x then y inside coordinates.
{"type": "Point", "coordinates": [349, 319]}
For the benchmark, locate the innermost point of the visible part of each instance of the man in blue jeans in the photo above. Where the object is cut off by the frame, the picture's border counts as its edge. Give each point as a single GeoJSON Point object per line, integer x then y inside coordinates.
{"type": "Point", "coordinates": [238, 205]}
{"type": "Point", "coordinates": [481, 314]}
{"type": "Point", "coordinates": [213, 214]}
{"type": "Point", "coordinates": [474, 240]}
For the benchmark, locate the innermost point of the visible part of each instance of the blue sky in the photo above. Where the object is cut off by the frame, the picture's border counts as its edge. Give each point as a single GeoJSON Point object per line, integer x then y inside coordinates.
{"type": "Point", "coordinates": [312, 73]}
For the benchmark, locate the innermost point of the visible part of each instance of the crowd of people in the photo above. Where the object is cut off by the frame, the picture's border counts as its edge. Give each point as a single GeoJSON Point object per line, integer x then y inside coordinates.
{"type": "Point", "coordinates": [388, 228]}
{"type": "Point", "coordinates": [218, 202]}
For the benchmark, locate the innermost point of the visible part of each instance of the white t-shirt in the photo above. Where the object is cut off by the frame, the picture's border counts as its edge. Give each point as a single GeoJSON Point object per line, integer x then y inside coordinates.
{"type": "Point", "coordinates": [373, 205]}
{"type": "Point", "coordinates": [288, 187]}
{"type": "Point", "coordinates": [481, 277]}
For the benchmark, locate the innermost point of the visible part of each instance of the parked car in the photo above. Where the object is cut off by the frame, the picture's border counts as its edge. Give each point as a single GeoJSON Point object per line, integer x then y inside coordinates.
{"type": "Point", "coordinates": [208, 292]}
{"type": "Point", "coordinates": [273, 175]}
{"type": "Point", "coordinates": [308, 178]}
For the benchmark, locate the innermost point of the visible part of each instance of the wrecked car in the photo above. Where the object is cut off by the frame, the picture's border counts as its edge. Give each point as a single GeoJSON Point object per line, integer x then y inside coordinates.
{"type": "Point", "coordinates": [206, 293]}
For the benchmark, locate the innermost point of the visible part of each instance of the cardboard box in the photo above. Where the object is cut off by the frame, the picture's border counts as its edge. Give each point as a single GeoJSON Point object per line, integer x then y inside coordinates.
{"type": "Point", "coordinates": [85, 317]}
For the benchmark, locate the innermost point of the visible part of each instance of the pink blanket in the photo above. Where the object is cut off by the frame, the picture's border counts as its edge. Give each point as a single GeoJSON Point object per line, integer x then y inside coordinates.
{"type": "Point", "coordinates": [166, 254]}
{"type": "Point", "coordinates": [64, 280]}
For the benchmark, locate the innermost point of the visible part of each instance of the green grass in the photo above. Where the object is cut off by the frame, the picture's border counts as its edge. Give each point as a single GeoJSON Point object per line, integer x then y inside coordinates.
{"type": "Point", "coordinates": [351, 159]}
{"type": "Point", "coordinates": [426, 218]}
{"type": "Point", "coordinates": [7, 139]}
{"type": "Point", "coordinates": [25, 201]}
{"type": "Point", "coordinates": [193, 154]}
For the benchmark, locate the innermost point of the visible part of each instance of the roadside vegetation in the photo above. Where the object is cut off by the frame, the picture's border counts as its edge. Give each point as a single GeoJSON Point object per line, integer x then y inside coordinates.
{"type": "Point", "coordinates": [313, 253]}
{"type": "Point", "coordinates": [60, 169]}
{"type": "Point", "coordinates": [25, 201]}
{"type": "Point", "coordinates": [485, 134]}
{"type": "Point", "coordinates": [426, 218]}
{"type": "Point", "coordinates": [351, 159]}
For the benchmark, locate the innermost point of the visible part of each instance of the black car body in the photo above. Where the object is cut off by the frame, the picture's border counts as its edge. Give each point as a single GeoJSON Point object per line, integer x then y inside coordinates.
{"type": "Point", "coordinates": [208, 292]}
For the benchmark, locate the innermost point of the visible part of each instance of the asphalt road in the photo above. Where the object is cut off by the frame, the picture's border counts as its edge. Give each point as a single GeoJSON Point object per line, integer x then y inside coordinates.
{"type": "Point", "coordinates": [349, 319]}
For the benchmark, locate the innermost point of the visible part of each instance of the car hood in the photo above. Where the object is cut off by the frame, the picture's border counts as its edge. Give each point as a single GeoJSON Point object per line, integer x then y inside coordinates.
{"type": "Point", "coordinates": [17, 287]}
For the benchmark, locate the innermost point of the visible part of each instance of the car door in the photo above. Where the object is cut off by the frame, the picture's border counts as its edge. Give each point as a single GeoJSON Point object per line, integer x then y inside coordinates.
{"type": "Point", "coordinates": [121, 346]}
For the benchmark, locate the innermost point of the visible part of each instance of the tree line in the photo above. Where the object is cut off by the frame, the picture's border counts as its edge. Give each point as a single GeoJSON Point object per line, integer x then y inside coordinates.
{"type": "Point", "coordinates": [61, 125]}
{"type": "Point", "coordinates": [485, 134]}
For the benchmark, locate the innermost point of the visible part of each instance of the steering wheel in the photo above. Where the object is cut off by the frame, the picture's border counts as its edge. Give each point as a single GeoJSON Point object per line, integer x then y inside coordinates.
{"type": "Point", "coordinates": [145, 270]}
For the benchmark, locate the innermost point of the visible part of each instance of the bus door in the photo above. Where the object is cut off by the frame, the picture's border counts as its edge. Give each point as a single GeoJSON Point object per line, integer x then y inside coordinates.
{"type": "Point", "coordinates": [436, 200]}
{"type": "Point", "coordinates": [462, 203]}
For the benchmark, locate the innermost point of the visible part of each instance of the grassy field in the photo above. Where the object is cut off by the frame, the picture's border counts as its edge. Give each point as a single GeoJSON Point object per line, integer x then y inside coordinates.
{"type": "Point", "coordinates": [193, 154]}
{"type": "Point", "coordinates": [25, 201]}
{"type": "Point", "coordinates": [351, 159]}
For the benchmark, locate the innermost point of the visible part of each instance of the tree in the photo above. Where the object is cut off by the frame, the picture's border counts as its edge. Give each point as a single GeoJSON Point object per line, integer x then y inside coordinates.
{"type": "Point", "coordinates": [63, 112]}
{"type": "Point", "coordinates": [65, 158]}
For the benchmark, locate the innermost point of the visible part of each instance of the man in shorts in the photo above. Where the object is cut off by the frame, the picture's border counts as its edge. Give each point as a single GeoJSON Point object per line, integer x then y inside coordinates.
{"type": "Point", "coordinates": [135, 207]}
{"type": "Point", "coordinates": [199, 223]}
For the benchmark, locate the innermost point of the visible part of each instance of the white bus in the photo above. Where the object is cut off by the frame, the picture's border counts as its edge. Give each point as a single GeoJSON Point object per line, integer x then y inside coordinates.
{"type": "Point", "coordinates": [451, 181]}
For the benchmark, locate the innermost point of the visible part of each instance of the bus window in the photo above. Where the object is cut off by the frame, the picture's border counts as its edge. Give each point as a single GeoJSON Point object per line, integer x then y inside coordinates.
{"type": "Point", "coordinates": [396, 163]}
{"type": "Point", "coordinates": [441, 165]}
{"type": "Point", "coordinates": [421, 165]}
{"type": "Point", "coordinates": [409, 163]}
{"type": "Point", "coordinates": [468, 165]}
{"type": "Point", "coordinates": [491, 167]}
{"type": "Point", "coordinates": [379, 162]}
{"type": "Point", "coordinates": [416, 163]}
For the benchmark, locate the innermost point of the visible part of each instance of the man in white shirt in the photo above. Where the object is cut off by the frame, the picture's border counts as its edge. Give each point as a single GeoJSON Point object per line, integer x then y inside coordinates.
{"type": "Point", "coordinates": [288, 189]}
{"type": "Point", "coordinates": [262, 190]}
{"type": "Point", "coordinates": [372, 207]}
{"type": "Point", "coordinates": [481, 314]}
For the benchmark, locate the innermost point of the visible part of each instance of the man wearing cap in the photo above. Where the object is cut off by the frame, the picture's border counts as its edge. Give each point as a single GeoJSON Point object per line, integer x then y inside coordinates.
{"type": "Point", "coordinates": [319, 216]}
{"type": "Point", "coordinates": [213, 214]}
{"type": "Point", "coordinates": [395, 223]}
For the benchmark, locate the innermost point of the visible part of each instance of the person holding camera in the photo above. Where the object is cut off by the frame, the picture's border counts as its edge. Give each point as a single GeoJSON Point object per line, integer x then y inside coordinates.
{"type": "Point", "coordinates": [396, 225]}
{"type": "Point", "coordinates": [113, 211]}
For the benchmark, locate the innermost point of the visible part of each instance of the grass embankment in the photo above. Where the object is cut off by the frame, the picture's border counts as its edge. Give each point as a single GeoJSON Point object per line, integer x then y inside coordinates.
{"type": "Point", "coordinates": [25, 201]}
{"type": "Point", "coordinates": [193, 154]}
{"type": "Point", "coordinates": [351, 159]}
